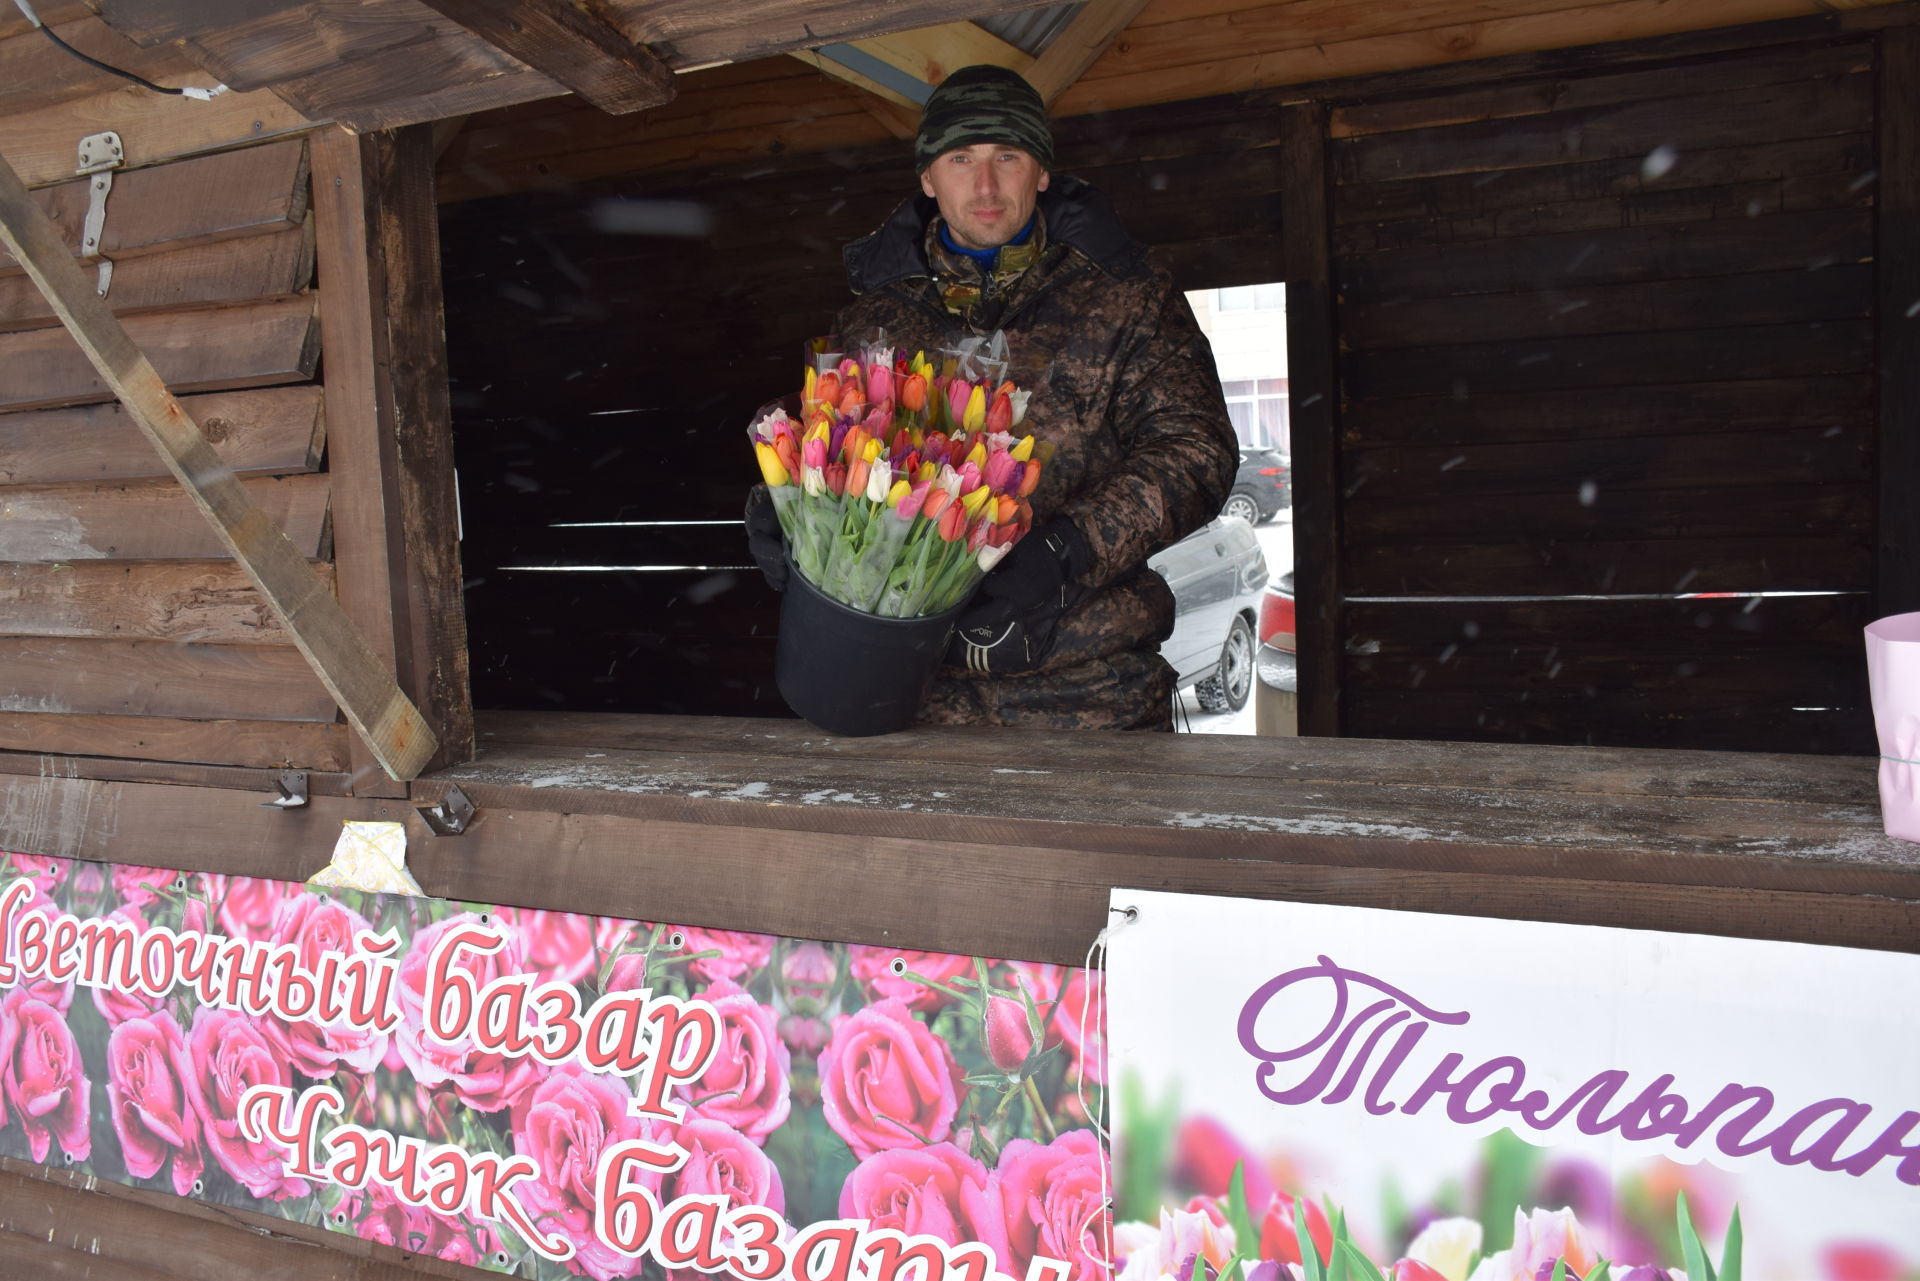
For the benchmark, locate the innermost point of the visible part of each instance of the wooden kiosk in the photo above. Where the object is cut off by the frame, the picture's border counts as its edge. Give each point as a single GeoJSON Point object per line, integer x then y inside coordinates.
{"type": "Point", "coordinates": [1668, 252]}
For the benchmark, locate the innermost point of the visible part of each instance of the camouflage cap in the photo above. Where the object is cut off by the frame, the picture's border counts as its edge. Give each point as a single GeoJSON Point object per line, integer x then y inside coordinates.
{"type": "Point", "coordinates": [983, 103]}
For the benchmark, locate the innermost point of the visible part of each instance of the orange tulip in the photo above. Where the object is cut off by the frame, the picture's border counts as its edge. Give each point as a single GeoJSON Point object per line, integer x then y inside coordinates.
{"type": "Point", "coordinates": [827, 389]}
{"type": "Point", "coordinates": [938, 501]}
{"type": "Point", "coordinates": [1030, 480]}
{"type": "Point", "coordinates": [913, 393]}
{"type": "Point", "coordinates": [953, 522]}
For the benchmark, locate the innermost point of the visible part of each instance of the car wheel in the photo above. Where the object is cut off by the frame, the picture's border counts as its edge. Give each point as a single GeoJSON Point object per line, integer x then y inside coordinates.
{"type": "Point", "coordinates": [1243, 506]}
{"type": "Point", "coordinates": [1227, 689]}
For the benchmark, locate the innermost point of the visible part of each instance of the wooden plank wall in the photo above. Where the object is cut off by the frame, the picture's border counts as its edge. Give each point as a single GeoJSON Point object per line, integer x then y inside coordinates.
{"type": "Point", "coordinates": [124, 628]}
{"type": "Point", "coordinates": [609, 343]}
{"type": "Point", "coordinates": [1608, 341]}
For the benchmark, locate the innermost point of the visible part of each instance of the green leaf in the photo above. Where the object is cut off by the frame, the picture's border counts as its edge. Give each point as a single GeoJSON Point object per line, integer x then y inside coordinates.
{"type": "Point", "coordinates": [1599, 1272]}
{"type": "Point", "coordinates": [1309, 1255]}
{"type": "Point", "coordinates": [1730, 1249]}
{"type": "Point", "coordinates": [1362, 1268]}
{"type": "Point", "coordinates": [1694, 1254]}
{"type": "Point", "coordinates": [1559, 1270]}
{"type": "Point", "coordinates": [1239, 1215]}
{"type": "Point", "coordinates": [1199, 1272]}
{"type": "Point", "coordinates": [1336, 1259]}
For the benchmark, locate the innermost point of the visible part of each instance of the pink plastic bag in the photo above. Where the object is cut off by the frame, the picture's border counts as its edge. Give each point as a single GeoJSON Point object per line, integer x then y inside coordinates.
{"type": "Point", "coordinates": [1893, 671]}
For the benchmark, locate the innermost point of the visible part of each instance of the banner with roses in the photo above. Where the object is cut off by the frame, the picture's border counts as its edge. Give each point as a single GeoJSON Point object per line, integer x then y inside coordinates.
{"type": "Point", "coordinates": [1313, 1092]}
{"type": "Point", "coordinates": [551, 1094]}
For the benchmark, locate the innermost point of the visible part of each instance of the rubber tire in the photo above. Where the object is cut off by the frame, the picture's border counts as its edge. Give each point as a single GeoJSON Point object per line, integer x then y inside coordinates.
{"type": "Point", "coordinates": [1241, 504]}
{"type": "Point", "coordinates": [1228, 689]}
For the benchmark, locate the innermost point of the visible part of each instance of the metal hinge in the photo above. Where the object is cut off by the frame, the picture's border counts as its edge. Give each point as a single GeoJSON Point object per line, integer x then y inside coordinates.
{"type": "Point", "coordinates": [451, 816]}
{"type": "Point", "coordinates": [100, 155]}
{"type": "Point", "coordinates": [293, 791]}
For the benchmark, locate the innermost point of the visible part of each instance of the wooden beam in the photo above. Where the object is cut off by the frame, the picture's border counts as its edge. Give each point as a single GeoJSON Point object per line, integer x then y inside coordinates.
{"type": "Point", "coordinates": [571, 45]}
{"type": "Point", "coordinates": [153, 127]}
{"type": "Point", "coordinates": [389, 426]}
{"type": "Point", "coordinates": [257, 744]}
{"type": "Point", "coordinates": [210, 602]}
{"type": "Point", "coordinates": [333, 647]}
{"type": "Point", "coordinates": [1897, 204]}
{"type": "Point", "coordinates": [149, 520]}
{"type": "Point", "coordinates": [898, 108]}
{"type": "Point", "coordinates": [275, 431]}
{"type": "Point", "coordinates": [1097, 25]}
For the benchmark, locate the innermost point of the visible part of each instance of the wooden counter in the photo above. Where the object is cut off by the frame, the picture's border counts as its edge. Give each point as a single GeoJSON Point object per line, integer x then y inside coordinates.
{"type": "Point", "coordinates": [1006, 844]}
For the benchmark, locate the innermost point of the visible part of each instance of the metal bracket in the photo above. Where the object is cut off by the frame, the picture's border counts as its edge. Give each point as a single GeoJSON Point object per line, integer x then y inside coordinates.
{"type": "Point", "coordinates": [100, 155]}
{"type": "Point", "coordinates": [452, 815]}
{"type": "Point", "coordinates": [293, 791]}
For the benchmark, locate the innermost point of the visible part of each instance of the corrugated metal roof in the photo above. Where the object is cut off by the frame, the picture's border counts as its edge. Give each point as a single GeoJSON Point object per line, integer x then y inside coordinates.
{"type": "Point", "coordinates": [1031, 30]}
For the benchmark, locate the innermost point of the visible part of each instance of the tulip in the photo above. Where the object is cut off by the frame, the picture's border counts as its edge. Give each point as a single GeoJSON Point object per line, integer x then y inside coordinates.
{"type": "Point", "coordinates": [957, 392]}
{"type": "Point", "coordinates": [973, 500]}
{"type": "Point", "coordinates": [953, 523]}
{"type": "Point", "coordinates": [852, 401]}
{"type": "Point", "coordinates": [1412, 1270]}
{"type": "Point", "coordinates": [809, 385]}
{"type": "Point", "coordinates": [913, 395]}
{"type": "Point", "coordinates": [1005, 506]}
{"type": "Point", "coordinates": [975, 416]}
{"type": "Point", "coordinates": [989, 556]}
{"type": "Point", "coordinates": [909, 505]}
{"type": "Point", "coordinates": [814, 452]}
{"type": "Point", "coordinates": [856, 476]}
{"type": "Point", "coordinates": [854, 444]}
{"type": "Point", "coordinates": [1022, 451]}
{"type": "Point", "coordinates": [978, 454]}
{"type": "Point", "coordinates": [826, 389]}
{"type": "Point", "coordinates": [1000, 413]}
{"type": "Point", "coordinates": [1278, 1239]}
{"type": "Point", "coordinates": [788, 453]}
{"type": "Point", "coordinates": [999, 469]}
{"type": "Point", "coordinates": [1008, 1035]}
{"type": "Point", "coordinates": [937, 502]}
{"type": "Point", "coordinates": [836, 478]}
{"type": "Point", "coordinates": [926, 471]}
{"type": "Point", "coordinates": [1020, 399]}
{"type": "Point", "coordinates": [770, 468]}
{"type": "Point", "coordinates": [880, 418]}
{"type": "Point", "coordinates": [969, 475]}
{"type": "Point", "coordinates": [880, 383]}
{"type": "Point", "coordinates": [898, 491]}
{"type": "Point", "coordinates": [1029, 479]}
{"type": "Point", "coordinates": [879, 483]}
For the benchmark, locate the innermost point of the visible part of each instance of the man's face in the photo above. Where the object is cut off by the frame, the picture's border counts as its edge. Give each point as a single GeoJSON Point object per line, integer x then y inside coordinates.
{"type": "Point", "coordinates": [986, 192]}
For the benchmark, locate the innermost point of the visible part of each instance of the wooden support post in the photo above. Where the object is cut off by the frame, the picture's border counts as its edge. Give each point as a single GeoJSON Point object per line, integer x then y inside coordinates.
{"type": "Point", "coordinates": [357, 680]}
{"type": "Point", "coordinates": [1897, 263]}
{"type": "Point", "coordinates": [389, 428]}
{"type": "Point", "coordinates": [1314, 390]}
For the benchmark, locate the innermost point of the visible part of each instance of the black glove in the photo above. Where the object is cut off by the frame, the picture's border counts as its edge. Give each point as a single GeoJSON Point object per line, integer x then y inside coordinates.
{"type": "Point", "coordinates": [764, 539]}
{"type": "Point", "coordinates": [1009, 625]}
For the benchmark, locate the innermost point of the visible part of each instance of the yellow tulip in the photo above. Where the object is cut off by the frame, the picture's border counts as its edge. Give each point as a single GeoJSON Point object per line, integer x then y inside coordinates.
{"type": "Point", "coordinates": [976, 415]}
{"type": "Point", "coordinates": [927, 471]}
{"type": "Point", "coordinates": [770, 467]}
{"type": "Point", "coordinates": [806, 388]}
{"type": "Point", "coordinates": [900, 490]}
{"type": "Point", "coordinates": [975, 499]}
{"type": "Point", "coordinates": [871, 451]}
{"type": "Point", "coordinates": [978, 454]}
{"type": "Point", "coordinates": [1022, 451]}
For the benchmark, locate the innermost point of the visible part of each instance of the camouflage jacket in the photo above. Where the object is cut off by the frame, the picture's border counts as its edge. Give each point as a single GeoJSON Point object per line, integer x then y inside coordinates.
{"type": "Point", "coordinates": [1124, 388]}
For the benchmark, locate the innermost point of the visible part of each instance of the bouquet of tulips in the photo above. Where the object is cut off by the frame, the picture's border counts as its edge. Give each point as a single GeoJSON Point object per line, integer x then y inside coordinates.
{"type": "Point", "coordinates": [898, 485]}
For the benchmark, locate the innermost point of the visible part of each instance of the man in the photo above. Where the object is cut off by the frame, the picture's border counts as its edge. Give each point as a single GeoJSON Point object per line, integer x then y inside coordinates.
{"type": "Point", "coordinates": [1065, 632]}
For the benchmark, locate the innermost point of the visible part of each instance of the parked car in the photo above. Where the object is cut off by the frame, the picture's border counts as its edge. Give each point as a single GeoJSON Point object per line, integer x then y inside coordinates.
{"type": "Point", "coordinates": [1216, 574]}
{"type": "Point", "coordinates": [1276, 661]}
{"type": "Point", "coordinates": [1261, 487]}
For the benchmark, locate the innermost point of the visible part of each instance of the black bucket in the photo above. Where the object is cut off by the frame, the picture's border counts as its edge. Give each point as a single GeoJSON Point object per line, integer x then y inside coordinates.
{"type": "Point", "coordinates": [850, 672]}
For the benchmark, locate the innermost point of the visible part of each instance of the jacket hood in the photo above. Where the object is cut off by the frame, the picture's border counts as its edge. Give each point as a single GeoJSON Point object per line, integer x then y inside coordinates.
{"type": "Point", "coordinates": [1077, 215]}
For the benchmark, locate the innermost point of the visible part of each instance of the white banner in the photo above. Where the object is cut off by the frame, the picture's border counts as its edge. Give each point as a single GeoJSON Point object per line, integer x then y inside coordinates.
{"type": "Point", "coordinates": [1482, 1098]}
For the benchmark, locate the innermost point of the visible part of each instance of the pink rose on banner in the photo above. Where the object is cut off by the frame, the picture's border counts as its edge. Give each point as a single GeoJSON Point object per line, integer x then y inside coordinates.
{"type": "Point", "coordinates": [244, 905]}
{"type": "Point", "coordinates": [565, 1123]}
{"type": "Point", "coordinates": [746, 1087]}
{"type": "Point", "coordinates": [117, 1007]}
{"type": "Point", "coordinates": [49, 874]}
{"type": "Point", "coordinates": [936, 1191]}
{"type": "Point", "coordinates": [141, 886]}
{"type": "Point", "coordinates": [55, 992]}
{"type": "Point", "coordinates": [558, 945]}
{"type": "Point", "coordinates": [1079, 1028]}
{"type": "Point", "coordinates": [315, 926]}
{"type": "Point", "coordinates": [229, 1055]}
{"type": "Point", "coordinates": [483, 1079]}
{"type": "Point", "coordinates": [1053, 1203]}
{"type": "Point", "coordinates": [721, 1162]}
{"type": "Point", "coordinates": [873, 970]}
{"type": "Point", "coordinates": [808, 971]}
{"type": "Point", "coordinates": [150, 1082]}
{"type": "Point", "coordinates": [740, 952]}
{"type": "Point", "coordinates": [886, 1081]}
{"type": "Point", "coordinates": [43, 1079]}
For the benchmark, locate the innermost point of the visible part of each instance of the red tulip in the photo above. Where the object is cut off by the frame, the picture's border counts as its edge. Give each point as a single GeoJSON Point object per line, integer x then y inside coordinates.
{"type": "Point", "coordinates": [953, 522]}
{"type": "Point", "coordinates": [1278, 1239]}
{"type": "Point", "coordinates": [1410, 1270]}
{"type": "Point", "coordinates": [938, 500]}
